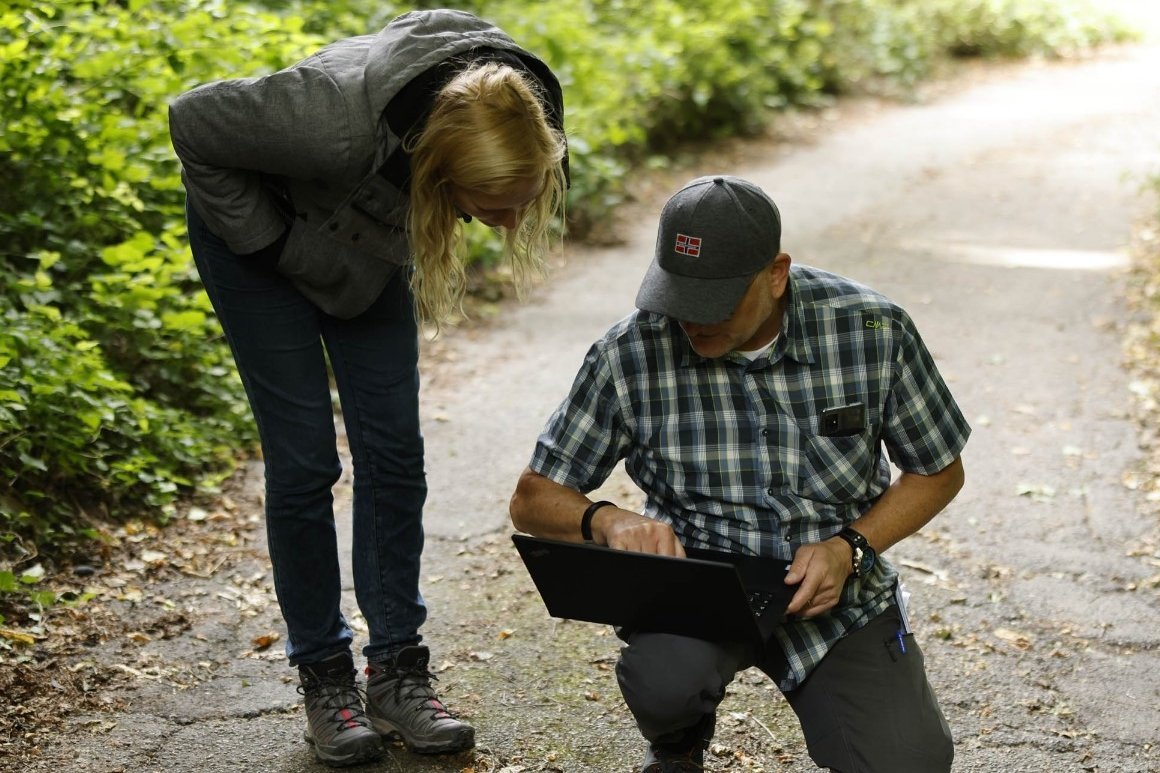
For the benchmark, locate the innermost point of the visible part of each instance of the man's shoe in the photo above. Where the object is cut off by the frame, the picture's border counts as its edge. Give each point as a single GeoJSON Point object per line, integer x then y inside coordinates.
{"type": "Point", "coordinates": [660, 758]}
{"type": "Point", "coordinates": [682, 752]}
{"type": "Point", "coordinates": [401, 701]}
{"type": "Point", "coordinates": [336, 724]}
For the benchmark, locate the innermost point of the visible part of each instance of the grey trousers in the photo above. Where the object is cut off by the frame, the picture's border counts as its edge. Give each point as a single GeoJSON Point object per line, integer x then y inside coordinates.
{"type": "Point", "coordinates": [866, 708]}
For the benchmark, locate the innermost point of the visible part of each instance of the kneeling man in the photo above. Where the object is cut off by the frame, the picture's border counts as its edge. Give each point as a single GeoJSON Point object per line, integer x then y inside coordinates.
{"type": "Point", "coordinates": [755, 402]}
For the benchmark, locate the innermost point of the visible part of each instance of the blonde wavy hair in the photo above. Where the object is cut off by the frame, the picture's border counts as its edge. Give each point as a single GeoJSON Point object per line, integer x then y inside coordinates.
{"type": "Point", "coordinates": [487, 130]}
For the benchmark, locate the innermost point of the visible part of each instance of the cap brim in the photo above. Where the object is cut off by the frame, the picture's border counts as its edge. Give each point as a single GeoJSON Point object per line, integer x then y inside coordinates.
{"type": "Point", "coordinates": [689, 299]}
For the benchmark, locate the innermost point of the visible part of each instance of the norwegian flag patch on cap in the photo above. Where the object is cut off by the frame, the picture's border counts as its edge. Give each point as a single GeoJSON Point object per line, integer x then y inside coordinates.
{"type": "Point", "coordinates": [688, 245]}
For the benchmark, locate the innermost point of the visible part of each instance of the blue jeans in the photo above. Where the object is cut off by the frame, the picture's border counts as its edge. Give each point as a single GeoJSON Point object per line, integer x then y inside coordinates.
{"type": "Point", "coordinates": [281, 343]}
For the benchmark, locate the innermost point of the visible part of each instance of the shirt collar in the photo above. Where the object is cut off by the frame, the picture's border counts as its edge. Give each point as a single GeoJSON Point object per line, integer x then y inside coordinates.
{"type": "Point", "coordinates": [796, 338]}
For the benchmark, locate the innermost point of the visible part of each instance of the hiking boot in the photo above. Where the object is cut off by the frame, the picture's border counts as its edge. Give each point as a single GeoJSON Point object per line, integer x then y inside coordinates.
{"type": "Point", "coordinates": [684, 753]}
{"type": "Point", "coordinates": [336, 724]}
{"type": "Point", "coordinates": [401, 701]}
{"type": "Point", "coordinates": [660, 758]}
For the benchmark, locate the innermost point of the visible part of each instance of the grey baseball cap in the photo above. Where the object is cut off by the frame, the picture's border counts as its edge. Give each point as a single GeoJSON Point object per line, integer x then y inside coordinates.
{"type": "Point", "coordinates": [714, 235]}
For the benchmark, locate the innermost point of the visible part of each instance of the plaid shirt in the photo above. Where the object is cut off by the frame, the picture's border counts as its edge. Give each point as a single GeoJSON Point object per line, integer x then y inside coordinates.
{"type": "Point", "coordinates": [728, 451]}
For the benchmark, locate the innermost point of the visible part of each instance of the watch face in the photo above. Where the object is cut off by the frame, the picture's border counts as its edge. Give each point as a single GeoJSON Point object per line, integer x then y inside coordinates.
{"type": "Point", "coordinates": [865, 562]}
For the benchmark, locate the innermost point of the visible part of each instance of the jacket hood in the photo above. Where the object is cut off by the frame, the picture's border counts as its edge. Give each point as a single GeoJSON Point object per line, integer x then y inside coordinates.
{"type": "Point", "coordinates": [421, 40]}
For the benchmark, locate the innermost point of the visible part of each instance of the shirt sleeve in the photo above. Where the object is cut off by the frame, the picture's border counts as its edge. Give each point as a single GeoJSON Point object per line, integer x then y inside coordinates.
{"type": "Point", "coordinates": [587, 435]}
{"type": "Point", "coordinates": [923, 429]}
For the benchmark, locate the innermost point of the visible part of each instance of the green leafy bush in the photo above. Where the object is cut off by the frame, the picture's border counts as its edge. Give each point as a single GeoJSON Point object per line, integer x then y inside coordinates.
{"type": "Point", "coordinates": [1016, 28]}
{"type": "Point", "coordinates": [116, 391]}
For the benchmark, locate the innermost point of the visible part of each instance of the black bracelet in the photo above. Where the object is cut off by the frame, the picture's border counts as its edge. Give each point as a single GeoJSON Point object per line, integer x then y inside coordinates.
{"type": "Point", "coordinates": [586, 519]}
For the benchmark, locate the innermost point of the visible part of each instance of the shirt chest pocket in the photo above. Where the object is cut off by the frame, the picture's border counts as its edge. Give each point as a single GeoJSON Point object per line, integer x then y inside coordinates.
{"type": "Point", "coordinates": [838, 470]}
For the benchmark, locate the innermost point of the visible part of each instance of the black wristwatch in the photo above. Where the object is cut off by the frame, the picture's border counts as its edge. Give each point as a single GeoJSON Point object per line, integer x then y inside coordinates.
{"type": "Point", "coordinates": [864, 556]}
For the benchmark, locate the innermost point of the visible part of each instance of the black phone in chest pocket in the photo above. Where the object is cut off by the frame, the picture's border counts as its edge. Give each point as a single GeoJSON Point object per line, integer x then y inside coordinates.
{"type": "Point", "coordinates": [843, 421]}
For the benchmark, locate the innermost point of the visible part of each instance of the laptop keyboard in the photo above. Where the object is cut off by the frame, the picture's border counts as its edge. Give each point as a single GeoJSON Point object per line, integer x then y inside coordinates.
{"type": "Point", "coordinates": [759, 600]}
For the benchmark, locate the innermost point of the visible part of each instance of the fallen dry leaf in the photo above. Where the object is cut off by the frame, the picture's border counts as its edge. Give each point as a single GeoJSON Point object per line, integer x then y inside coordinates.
{"type": "Point", "coordinates": [1037, 492]}
{"type": "Point", "coordinates": [17, 636]}
{"type": "Point", "coordinates": [1020, 641]}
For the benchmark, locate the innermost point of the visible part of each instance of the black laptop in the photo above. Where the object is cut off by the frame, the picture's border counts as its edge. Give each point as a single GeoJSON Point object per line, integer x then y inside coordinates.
{"type": "Point", "coordinates": [708, 595]}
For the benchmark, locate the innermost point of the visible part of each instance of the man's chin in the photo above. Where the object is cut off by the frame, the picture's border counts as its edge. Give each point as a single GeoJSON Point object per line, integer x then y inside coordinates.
{"type": "Point", "coordinates": [711, 348]}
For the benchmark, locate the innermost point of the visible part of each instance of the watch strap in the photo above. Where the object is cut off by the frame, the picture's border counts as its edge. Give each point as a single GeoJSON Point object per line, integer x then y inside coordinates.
{"type": "Point", "coordinates": [858, 546]}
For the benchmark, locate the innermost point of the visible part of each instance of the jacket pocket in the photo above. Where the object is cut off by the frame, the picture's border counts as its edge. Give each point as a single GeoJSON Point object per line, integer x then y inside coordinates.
{"type": "Point", "coordinates": [311, 258]}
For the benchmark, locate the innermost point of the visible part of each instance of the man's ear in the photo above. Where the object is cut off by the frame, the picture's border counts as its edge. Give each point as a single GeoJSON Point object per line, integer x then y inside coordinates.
{"type": "Point", "coordinates": [779, 274]}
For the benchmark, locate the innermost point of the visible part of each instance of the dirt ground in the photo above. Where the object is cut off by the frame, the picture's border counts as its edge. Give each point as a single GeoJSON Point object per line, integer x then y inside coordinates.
{"type": "Point", "coordinates": [1001, 207]}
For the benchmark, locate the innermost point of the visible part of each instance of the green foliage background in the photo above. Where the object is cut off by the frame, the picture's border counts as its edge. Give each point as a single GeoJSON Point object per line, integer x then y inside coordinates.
{"type": "Point", "coordinates": [117, 392]}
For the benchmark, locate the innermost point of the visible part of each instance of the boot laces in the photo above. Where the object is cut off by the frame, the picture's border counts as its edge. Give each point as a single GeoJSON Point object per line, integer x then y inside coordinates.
{"type": "Point", "coordinates": [340, 695]}
{"type": "Point", "coordinates": [413, 684]}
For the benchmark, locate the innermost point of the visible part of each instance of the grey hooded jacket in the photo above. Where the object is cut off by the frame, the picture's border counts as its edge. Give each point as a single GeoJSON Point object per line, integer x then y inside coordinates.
{"type": "Point", "coordinates": [303, 148]}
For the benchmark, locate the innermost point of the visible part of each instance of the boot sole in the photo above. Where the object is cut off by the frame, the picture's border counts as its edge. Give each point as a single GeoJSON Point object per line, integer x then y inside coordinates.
{"type": "Point", "coordinates": [367, 753]}
{"type": "Point", "coordinates": [462, 740]}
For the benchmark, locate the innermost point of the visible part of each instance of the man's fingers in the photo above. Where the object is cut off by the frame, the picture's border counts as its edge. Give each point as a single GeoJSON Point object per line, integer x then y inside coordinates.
{"type": "Point", "coordinates": [803, 599]}
{"type": "Point", "coordinates": [798, 573]}
{"type": "Point", "coordinates": [647, 536]}
{"type": "Point", "coordinates": [810, 605]}
{"type": "Point", "coordinates": [663, 542]}
{"type": "Point", "coordinates": [668, 544]}
{"type": "Point", "coordinates": [815, 594]}
{"type": "Point", "coordinates": [799, 569]}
